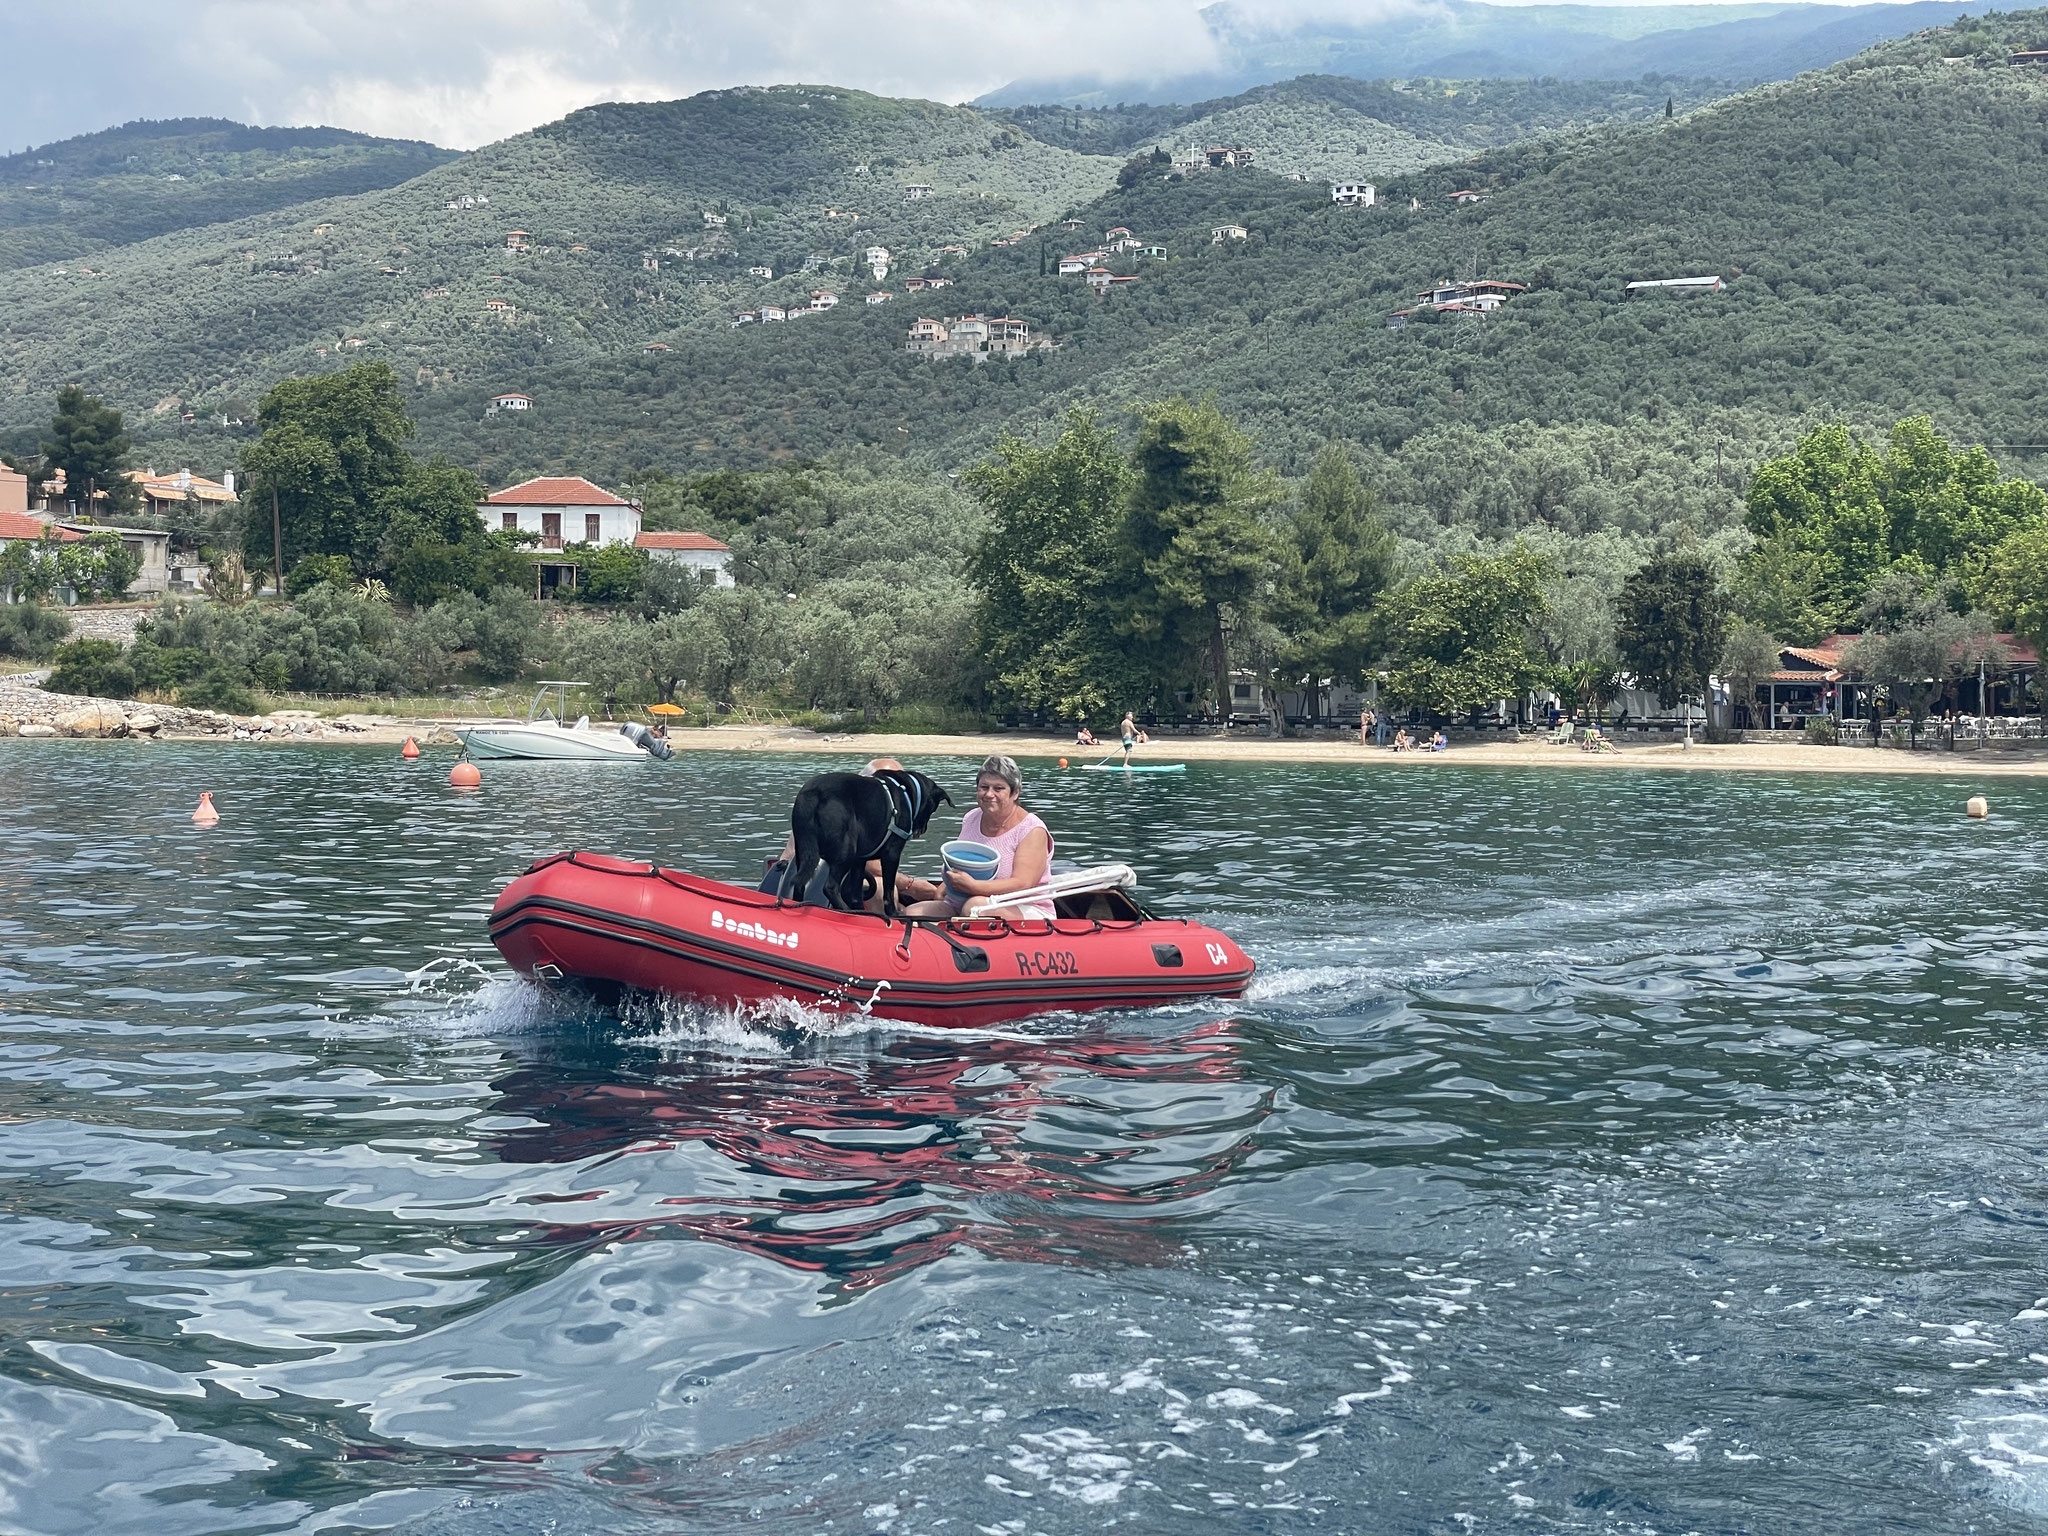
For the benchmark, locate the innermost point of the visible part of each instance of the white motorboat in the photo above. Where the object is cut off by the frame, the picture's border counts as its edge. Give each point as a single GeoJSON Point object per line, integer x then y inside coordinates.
{"type": "Point", "coordinates": [547, 733]}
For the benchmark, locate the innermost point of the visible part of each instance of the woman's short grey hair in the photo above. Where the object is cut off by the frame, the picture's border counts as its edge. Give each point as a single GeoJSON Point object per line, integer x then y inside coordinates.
{"type": "Point", "coordinates": [1004, 768]}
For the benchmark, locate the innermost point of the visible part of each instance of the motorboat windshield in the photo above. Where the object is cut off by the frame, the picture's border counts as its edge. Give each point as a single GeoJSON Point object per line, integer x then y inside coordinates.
{"type": "Point", "coordinates": [538, 713]}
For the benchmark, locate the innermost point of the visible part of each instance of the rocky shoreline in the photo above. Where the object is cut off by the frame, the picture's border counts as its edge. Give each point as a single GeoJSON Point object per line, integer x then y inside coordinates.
{"type": "Point", "coordinates": [28, 709]}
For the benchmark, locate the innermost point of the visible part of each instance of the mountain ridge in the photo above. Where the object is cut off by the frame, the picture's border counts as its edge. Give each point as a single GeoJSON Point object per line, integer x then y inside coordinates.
{"type": "Point", "coordinates": [1460, 39]}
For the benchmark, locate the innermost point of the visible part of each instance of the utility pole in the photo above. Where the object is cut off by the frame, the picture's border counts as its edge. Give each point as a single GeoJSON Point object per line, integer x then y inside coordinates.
{"type": "Point", "coordinates": [276, 544]}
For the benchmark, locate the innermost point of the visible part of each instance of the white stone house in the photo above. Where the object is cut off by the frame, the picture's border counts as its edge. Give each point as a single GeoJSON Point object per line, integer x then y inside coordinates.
{"type": "Point", "coordinates": [771, 312]}
{"type": "Point", "coordinates": [697, 552]}
{"type": "Point", "coordinates": [1223, 232]}
{"type": "Point", "coordinates": [1354, 194]}
{"type": "Point", "coordinates": [916, 192]}
{"type": "Point", "coordinates": [511, 402]}
{"type": "Point", "coordinates": [878, 261]}
{"type": "Point", "coordinates": [880, 296]}
{"type": "Point", "coordinates": [562, 510]}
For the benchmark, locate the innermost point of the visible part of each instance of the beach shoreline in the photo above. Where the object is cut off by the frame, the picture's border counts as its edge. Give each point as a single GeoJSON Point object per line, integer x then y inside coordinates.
{"type": "Point", "coordinates": [1793, 756]}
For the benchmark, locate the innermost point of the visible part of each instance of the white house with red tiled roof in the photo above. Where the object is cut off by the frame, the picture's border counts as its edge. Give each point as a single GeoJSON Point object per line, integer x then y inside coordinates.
{"type": "Point", "coordinates": [562, 509]}
{"type": "Point", "coordinates": [698, 552]}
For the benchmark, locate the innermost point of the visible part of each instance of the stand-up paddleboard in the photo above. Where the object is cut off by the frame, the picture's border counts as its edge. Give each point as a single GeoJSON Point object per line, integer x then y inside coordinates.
{"type": "Point", "coordinates": [1134, 768]}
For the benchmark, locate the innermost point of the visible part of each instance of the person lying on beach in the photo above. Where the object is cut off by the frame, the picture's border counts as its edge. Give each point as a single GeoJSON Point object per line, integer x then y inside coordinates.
{"type": "Point", "coordinates": [1402, 740]}
{"type": "Point", "coordinates": [1438, 742]}
{"type": "Point", "coordinates": [1085, 737]}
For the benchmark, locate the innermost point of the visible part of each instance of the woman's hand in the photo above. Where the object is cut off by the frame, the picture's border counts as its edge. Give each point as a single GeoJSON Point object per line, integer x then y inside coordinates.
{"type": "Point", "coordinates": [967, 885]}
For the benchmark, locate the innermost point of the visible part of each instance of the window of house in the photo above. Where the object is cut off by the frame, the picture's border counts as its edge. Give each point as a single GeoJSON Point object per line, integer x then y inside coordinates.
{"type": "Point", "coordinates": [511, 522]}
{"type": "Point", "coordinates": [590, 525]}
{"type": "Point", "coordinates": [551, 529]}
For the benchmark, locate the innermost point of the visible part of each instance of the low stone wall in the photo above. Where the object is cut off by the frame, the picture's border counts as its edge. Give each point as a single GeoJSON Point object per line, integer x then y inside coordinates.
{"type": "Point", "coordinates": [115, 622]}
{"type": "Point", "coordinates": [28, 709]}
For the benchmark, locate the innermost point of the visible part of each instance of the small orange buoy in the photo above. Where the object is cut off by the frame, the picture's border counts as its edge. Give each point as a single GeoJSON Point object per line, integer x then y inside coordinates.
{"type": "Point", "coordinates": [410, 750]}
{"type": "Point", "coordinates": [465, 776]}
{"type": "Point", "coordinates": [205, 815]}
{"type": "Point", "coordinates": [1063, 762]}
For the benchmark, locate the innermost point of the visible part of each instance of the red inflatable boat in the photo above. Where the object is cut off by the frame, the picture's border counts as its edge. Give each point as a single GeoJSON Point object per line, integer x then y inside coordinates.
{"type": "Point", "coordinates": [589, 919]}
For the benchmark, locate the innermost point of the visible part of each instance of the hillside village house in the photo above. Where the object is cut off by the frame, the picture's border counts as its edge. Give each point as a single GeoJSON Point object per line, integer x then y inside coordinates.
{"type": "Point", "coordinates": [746, 317]}
{"type": "Point", "coordinates": [18, 526]}
{"type": "Point", "coordinates": [1674, 285]}
{"type": "Point", "coordinates": [713, 220]}
{"type": "Point", "coordinates": [1222, 157]}
{"type": "Point", "coordinates": [655, 346]}
{"type": "Point", "coordinates": [697, 552]}
{"type": "Point", "coordinates": [880, 296]}
{"type": "Point", "coordinates": [1354, 194]}
{"type": "Point", "coordinates": [916, 192]}
{"type": "Point", "coordinates": [511, 402]}
{"type": "Point", "coordinates": [516, 240]}
{"type": "Point", "coordinates": [1077, 265]}
{"type": "Point", "coordinates": [760, 271]}
{"type": "Point", "coordinates": [878, 261]}
{"type": "Point", "coordinates": [938, 282]}
{"type": "Point", "coordinates": [562, 510]}
{"type": "Point", "coordinates": [151, 547]}
{"type": "Point", "coordinates": [979, 337]}
{"type": "Point", "coordinates": [1467, 195]}
{"type": "Point", "coordinates": [1152, 252]}
{"type": "Point", "coordinates": [771, 312]}
{"type": "Point", "coordinates": [1114, 232]}
{"type": "Point", "coordinates": [824, 298]}
{"type": "Point", "coordinates": [1223, 232]}
{"type": "Point", "coordinates": [160, 493]}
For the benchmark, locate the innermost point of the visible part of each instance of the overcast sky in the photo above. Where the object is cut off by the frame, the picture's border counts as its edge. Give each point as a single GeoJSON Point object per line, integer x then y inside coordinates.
{"type": "Point", "coordinates": [466, 72]}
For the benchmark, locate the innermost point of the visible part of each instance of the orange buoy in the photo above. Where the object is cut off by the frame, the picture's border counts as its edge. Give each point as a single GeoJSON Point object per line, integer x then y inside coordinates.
{"type": "Point", "coordinates": [1063, 762]}
{"type": "Point", "coordinates": [205, 815]}
{"type": "Point", "coordinates": [410, 750]}
{"type": "Point", "coordinates": [465, 776]}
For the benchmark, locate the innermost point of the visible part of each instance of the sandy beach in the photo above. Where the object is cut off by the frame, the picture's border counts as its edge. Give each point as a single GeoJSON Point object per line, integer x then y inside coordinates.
{"type": "Point", "coordinates": [1791, 756]}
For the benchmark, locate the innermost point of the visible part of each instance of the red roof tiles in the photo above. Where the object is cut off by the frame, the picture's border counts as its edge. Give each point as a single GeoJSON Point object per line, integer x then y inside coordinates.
{"type": "Point", "coordinates": [555, 491]}
{"type": "Point", "coordinates": [19, 525]}
{"type": "Point", "coordinates": [677, 541]}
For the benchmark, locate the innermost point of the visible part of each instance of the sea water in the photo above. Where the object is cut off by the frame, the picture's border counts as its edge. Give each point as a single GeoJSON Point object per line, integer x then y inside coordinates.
{"type": "Point", "coordinates": [1596, 1152]}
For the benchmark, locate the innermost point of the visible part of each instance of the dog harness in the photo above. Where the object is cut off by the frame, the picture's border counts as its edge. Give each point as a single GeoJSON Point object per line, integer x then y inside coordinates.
{"type": "Point", "coordinates": [905, 801]}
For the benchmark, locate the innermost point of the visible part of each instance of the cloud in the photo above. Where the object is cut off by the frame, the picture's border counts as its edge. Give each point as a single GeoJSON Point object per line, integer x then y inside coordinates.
{"type": "Point", "coordinates": [465, 72]}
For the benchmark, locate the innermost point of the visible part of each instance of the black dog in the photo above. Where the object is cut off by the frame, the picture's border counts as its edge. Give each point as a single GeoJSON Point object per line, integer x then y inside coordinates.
{"type": "Point", "coordinates": [845, 819]}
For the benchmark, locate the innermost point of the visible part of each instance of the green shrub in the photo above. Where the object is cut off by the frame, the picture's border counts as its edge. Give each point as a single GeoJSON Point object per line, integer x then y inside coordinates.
{"type": "Point", "coordinates": [1821, 731]}
{"type": "Point", "coordinates": [428, 573]}
{"type": "Point", "coordinates": [319, 570]}
{"type": "Point", "coordinates": [217, 689]}
{"type": "Point", "coordinates": [614, 574]}
{"type": "Point", "coordinates": [96, 668]}
{"type": "Point", "coordinates": [30, 630]}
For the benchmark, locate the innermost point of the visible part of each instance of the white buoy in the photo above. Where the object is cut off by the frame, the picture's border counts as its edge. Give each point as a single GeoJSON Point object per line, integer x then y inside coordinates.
{"type": "Point", "coordinates": [1978, 808]}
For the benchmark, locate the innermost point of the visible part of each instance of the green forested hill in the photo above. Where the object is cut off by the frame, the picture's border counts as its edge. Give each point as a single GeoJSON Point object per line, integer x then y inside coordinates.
{"type": "Point", "coordinates": [144, 179]}
{"type": "Point", "coordinates": [1880, 226]}
{"type": "Point", "coordinates": [1330, 126]}
{"type": "Point", "coordinates": [638, 220]}
{"type": "Point", "coordinates": [642, 224]}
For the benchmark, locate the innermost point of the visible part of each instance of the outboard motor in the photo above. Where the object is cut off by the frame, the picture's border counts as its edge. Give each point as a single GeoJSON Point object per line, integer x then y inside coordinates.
{"type": "Point", "coordinates": [654, 746]}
